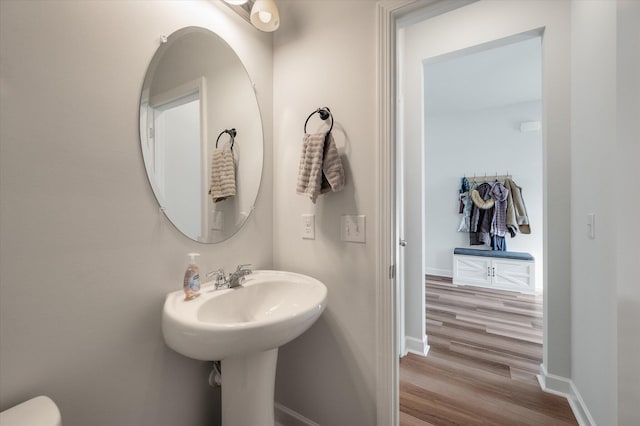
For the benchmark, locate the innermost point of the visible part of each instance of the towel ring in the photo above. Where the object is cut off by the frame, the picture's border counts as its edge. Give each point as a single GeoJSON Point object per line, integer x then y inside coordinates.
{"type": "Point", "coordinates": [231, 132]}
{"type": "Point", "coordinates": [325, 113]}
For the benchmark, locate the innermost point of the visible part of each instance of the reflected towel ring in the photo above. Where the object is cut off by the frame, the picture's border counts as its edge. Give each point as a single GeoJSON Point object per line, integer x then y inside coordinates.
{"type": "Point", "coordinates": [325, 113]}
{"type": "Point", "coordinates": [232, 133]}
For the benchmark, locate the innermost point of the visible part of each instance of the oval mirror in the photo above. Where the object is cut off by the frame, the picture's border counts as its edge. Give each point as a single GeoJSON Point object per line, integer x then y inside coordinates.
{"type": "Point", "coordinates": [201, 135]}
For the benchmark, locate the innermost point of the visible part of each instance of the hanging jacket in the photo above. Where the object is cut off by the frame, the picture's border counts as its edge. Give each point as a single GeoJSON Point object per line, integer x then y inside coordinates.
{"type": "Point", "coordinates": [517, 219]}
{"type": "Point", "coordinates": [468, 207]}
{"type": "Point", "coordinates": [481, 219]}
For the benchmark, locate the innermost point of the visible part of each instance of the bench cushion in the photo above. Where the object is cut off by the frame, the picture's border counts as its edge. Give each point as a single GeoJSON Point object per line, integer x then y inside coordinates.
{"type": "Point", "coordinates": [493, 253]}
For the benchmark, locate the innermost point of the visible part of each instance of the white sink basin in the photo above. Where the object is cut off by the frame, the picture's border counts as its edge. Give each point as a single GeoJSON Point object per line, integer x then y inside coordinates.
{"type": "Point", "coordinates": [270, 309]}
{"type": "Point", "coordinates": [244, 327]}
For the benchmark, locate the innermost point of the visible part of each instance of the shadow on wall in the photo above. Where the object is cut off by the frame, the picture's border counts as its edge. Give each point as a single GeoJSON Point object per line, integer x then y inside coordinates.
{"type": "Point", "coordinates": [334, 204]}
{"type": "Point", "coordinates": [305, 356]}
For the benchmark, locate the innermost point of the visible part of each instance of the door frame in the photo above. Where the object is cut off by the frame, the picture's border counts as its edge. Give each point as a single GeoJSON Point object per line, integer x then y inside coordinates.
{"type": "Point", "coordinates": [388, 14]}
{"type": "Point", "coordinates": [196, 88]}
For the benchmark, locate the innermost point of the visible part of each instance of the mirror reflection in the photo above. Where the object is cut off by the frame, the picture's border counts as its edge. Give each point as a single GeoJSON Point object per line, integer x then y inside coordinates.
{"type": "Point", "coordinates": [196, 95]}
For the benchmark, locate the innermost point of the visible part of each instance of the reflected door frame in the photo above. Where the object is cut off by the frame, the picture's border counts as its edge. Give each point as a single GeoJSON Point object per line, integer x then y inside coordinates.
{"type": "Point", "coordinates": [187, 92]}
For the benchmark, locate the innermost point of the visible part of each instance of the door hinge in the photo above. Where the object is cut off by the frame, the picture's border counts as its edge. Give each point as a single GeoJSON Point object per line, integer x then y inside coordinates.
{"type": "Point", "coordinates": [392, 272]}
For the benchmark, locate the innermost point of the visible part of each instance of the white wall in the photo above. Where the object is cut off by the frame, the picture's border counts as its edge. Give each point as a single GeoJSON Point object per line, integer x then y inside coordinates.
{"type": "Point", "coordinates": [85, 257]}
{"type": "Point", "coordinates": [628, 250]}
{"type": "Point", "coordinates": [481, 141]}
{"type": "Point", "coordinates": [471, 25]}
{"type": "Point", "coordinates": [605, 292]}
{"type": "Point", "coordinates": [324, 56]}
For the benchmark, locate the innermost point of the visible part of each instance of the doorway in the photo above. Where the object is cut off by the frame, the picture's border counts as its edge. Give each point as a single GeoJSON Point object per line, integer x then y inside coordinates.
{"type": "Point", "coordinates": [476, 23]}
{"type": "Point", "coordinates": [177, 153]}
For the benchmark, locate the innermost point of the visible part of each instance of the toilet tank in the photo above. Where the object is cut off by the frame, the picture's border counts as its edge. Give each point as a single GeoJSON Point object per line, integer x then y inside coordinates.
{"type": "Point", "coordinates": [39, 411]}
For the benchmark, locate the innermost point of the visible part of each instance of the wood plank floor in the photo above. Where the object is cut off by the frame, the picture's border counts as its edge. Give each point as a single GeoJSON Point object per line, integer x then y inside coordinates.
{"type": "Point", "coordinates": [486, 348]}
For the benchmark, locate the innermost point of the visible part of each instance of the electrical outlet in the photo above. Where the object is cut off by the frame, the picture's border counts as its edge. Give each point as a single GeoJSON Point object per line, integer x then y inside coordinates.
{"type": "Point", "coordinates": [309, 226]}
{"type": "Point", "coordinates": [352, 228]}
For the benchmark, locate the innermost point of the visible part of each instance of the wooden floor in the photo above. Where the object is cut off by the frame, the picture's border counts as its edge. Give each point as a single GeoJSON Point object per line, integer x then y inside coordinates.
{"type": "Point", "coordinates": [486, 348]}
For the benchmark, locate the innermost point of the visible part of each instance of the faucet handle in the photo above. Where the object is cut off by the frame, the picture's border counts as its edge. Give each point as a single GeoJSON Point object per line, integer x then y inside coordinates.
{"type": "Point", "coordinates": [244, 267]}
{"type": "Point", "coordinates": [220, 276]}
{"type": "Point", "coordinates": [212, 273]}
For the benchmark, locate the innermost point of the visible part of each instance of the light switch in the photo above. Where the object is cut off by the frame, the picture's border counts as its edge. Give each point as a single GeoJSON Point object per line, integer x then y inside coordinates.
{"type": "Point", "coordinates": [591, 226]}
{"type": "Point", "coordinates": [217, 220]}
{"type": "Point", "coordinates": [309, 226]}
{"type": "Point", "coordinates": [352, 228]}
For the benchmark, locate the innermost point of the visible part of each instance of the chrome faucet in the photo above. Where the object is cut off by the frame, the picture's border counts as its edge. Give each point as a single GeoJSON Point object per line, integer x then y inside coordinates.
{"type": "Point", "coordinates": [233, 280]}
{"type": "Point", "coordinates": [237, 278]}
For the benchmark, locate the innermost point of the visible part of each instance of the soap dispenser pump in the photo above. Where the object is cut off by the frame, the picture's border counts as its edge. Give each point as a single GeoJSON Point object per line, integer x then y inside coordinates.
{"type": "Point", "coordinates": [191, 284]}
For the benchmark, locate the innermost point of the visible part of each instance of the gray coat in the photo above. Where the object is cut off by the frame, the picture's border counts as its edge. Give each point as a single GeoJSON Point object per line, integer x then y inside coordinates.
{"type": "Point", "coordinates": [517, 219]}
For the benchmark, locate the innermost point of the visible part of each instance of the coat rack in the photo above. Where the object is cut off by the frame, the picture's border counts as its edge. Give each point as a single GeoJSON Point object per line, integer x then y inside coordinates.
{"type": "Point", "coordinates": [488, 178]}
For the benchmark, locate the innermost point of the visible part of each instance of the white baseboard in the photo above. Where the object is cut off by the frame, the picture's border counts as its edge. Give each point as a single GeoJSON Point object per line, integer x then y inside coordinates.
{"type": "Point", "coordinates": [287, 417]}
{"type": "Point", "coordinates": [551, 383]}
{"type": "Point", "coordinates": [417, 346]}
{"type": "Point", "coordinates": [564, 387]}
{"type": "Point", "coordinates": [579, 408]}
{"type": "Point", "coordinates": [439, 272]}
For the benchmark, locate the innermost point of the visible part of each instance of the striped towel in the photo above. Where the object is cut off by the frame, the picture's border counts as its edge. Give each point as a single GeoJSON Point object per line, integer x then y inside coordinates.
{"type": "Point", "coordinates": [332, 171]}
{"type": "Point", "coordinates": [320, 168]}
{"type": "Point", "coordinates": [223, 176]}
{"type": "Point", "coordinates": [310, 168]}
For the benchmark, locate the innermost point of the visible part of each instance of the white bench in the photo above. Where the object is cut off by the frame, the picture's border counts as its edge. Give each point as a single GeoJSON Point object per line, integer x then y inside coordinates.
{"type": "Point", "coordinates": [503, 270]}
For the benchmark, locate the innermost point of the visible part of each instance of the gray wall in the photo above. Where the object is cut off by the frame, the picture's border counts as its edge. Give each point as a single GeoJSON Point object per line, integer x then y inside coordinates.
{"type": "Point", "coordinates": [85, 256]}
{"type": "Point", "coordinates": [593, 121]}
{"type": "Point", "coordinates": [324, 56]}
{"type": "Point", "coordinates": [605, 150]}
{"type": "Point", "coordinates": [628, 250]}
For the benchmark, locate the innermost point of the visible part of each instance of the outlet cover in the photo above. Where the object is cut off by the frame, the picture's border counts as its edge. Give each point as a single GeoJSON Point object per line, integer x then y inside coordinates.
{"type": "Point", "coordinates": [308, 226]}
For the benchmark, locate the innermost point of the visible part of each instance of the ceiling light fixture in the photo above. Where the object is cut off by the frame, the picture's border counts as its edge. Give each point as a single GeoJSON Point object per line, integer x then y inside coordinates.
{"type": "Point", "coordinates": [265, 16]}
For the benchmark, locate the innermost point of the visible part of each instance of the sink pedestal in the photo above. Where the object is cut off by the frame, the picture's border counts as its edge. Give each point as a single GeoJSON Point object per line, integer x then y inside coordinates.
{"type": "Point", "coordinates": [248, 383]}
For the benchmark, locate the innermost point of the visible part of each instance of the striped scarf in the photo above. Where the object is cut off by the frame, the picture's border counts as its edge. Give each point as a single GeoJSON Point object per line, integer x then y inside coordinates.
{"type": "Point", "coordinates": [499, 221]}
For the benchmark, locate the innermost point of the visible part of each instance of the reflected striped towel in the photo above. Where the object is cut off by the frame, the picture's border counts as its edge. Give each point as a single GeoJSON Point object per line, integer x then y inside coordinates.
{"type": "Point", "coordinates": [223, 176]}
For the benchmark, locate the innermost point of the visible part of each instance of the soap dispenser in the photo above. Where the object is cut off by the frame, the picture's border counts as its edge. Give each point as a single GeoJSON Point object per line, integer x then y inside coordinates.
{"type": "Point", "coordinates": [191, 284]}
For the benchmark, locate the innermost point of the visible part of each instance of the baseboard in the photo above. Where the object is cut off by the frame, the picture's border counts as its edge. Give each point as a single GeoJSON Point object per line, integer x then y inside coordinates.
{"type": "Point", "coordinates": [564, 387]}
{"type": "Point", "coordinates": [551, 383]}
{"type": "Point", "coordinates": [417, 346]}
{"type": "Point", "coordinates": [579, 408]}
{"type": "Point", "coordinates": [439, 272]}
{"type": "Point", "coordinates": [287, 417]}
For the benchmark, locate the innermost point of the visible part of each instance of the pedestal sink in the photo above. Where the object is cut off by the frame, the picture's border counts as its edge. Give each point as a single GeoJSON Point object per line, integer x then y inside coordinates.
{"type": "Point", "coordinates": [243, 327]}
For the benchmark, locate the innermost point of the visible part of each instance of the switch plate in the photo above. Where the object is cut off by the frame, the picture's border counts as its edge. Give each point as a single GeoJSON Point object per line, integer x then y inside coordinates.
{"type": "Point", "coordinates": [217, 220]}
{"type": "Point", "coordinates": [352, 228]}
{"type": "Point", "coordinates": [591, 226]}
{"type": "Point", "coordinates": [309, 226]}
